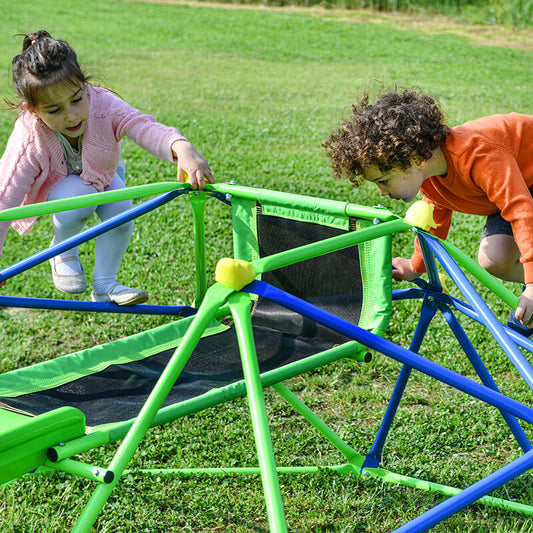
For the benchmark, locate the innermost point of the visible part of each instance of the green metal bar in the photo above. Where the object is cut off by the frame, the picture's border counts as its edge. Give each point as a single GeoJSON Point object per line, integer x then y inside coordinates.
{"type": "Point", "coordinates": [77, 468]}
{"type": "Point", "coordinates": [79, 445]}
{"type": "Point", "coordinates": [325, 246]}
{"type": "Point", "coordinates": [247, 470]}
{"type": "Point", "coordinates": [310, 203]}
{"type": "Point", "coordinates": [481, 274]}
{"type": "Point", "coordinates": [198, 199]}
{"type": "Point", "coordinates": [344, 469]}
{"type": "Point", "coordinates": [391, 477]}
{"type": "Point", "coordinates": [217, 294]}
{"type": "Point", "coordinates": [240, 305]}
{"type": "Point", "coordinates": [351, 455]}
{"type": "Point", "coordinates": [279, 198]}
{"type": "Point", "coordinates": [106, 197]}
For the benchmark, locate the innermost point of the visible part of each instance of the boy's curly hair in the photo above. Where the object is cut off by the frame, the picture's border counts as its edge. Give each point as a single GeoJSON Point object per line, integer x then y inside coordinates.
{"type": "Point", "coordinates": [399, 127]}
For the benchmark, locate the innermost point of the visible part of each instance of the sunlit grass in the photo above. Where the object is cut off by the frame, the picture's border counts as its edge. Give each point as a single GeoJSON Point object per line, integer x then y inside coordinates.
{"type": "Point", "coordinates": [257, 92]}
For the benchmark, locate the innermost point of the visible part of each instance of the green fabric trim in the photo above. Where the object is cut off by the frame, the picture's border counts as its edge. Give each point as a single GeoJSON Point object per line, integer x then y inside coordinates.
{"type": "Point", "coordinates": [245, 244]}
{"type": "Point", "coordinates": [317, 217]}
{"type": "Point", "coordinates": [376, 271]}
{"type": "Point", "coordinates": [57, 372]}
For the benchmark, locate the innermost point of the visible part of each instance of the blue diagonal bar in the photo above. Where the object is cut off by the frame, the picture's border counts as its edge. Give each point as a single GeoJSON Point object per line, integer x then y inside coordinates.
{"type": "Point", "coordinates": [468, 496]}
{"type": "Point", "coordinates": [487, 317]}
{"type": "Point", "coordinates": [90, 233]}
{"type": "Point", "coordinates": [392, 350]}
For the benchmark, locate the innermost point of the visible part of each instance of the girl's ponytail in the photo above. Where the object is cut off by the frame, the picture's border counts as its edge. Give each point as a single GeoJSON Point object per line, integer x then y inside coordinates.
{"type": "Point", "coordinates": [43, 62]}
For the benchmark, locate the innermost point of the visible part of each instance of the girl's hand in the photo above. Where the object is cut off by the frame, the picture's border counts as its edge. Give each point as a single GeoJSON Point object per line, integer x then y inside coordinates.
{"type": "Point", "coordinates": [192, 166]}
{"type": "Point", "coordinates": [402, 269]}
{"type": "Point", "coordinates": [524, 311]}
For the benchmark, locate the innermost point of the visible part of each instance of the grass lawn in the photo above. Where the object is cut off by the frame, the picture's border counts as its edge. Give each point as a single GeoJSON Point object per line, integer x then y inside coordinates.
{"type": "Point", "coordinates": [257, 91]}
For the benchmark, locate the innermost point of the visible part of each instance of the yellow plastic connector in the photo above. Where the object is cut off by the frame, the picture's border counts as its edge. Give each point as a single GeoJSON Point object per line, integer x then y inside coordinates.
{"type": "Point", "coordinates": [420, 214]}
{"type": "Point", "coordinates": [234, 273]}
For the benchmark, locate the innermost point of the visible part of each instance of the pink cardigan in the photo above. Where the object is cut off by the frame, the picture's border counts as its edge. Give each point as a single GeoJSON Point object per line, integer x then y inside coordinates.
{"type": "Point", "coordinates": [34, 161]}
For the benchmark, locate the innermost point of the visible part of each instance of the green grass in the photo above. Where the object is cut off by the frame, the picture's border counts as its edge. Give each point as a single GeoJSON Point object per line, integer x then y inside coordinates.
{"type": "Point", "coordinates": [257, 91]}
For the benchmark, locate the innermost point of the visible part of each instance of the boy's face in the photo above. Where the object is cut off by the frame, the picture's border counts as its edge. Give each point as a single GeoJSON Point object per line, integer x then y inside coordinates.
{"type": "Point", "coordinates": [398, 183]}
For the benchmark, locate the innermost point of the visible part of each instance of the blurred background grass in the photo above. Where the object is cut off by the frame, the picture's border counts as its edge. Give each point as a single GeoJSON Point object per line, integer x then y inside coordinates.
{"type": "Point", "coordinates": [256, 91]}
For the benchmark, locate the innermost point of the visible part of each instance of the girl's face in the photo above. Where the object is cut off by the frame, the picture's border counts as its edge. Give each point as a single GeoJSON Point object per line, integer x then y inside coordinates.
{"type": "Point", "coordinates": [398, 183]}
{"type": "Point", "coordinates": [65, 109]}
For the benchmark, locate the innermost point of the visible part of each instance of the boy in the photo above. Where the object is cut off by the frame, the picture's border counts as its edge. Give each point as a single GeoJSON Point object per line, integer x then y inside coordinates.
{"type": "Point", "coordinates": [484, 167]}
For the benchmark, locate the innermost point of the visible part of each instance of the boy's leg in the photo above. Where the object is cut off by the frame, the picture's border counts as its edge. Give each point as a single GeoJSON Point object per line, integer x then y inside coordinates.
{"type": "Point", "coordinates": [499, 255]}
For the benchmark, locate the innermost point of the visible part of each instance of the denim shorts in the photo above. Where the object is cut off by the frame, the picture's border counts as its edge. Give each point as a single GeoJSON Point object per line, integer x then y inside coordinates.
{"type": "Point", "coordinates": [496, 225]}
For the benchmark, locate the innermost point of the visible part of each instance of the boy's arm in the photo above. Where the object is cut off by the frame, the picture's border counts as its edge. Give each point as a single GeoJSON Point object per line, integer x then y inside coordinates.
{"type": "Point", "coordinates": [402, 268]}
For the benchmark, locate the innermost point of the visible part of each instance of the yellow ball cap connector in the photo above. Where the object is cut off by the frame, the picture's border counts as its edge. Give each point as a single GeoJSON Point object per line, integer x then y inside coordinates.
{"type": "Point", "coordinates": [420, 214]}
{"type": "Point", "coordinates": [234, 273]}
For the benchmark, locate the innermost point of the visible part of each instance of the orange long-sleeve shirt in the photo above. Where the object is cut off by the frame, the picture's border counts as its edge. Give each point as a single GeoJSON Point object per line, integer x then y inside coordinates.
{"type": "Point", "coordinates": [490, 169]}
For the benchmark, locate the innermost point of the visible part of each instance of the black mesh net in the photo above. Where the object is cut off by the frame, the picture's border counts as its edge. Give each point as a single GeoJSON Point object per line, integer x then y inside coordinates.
{"type": "Point", "coordinates": [331, 281]}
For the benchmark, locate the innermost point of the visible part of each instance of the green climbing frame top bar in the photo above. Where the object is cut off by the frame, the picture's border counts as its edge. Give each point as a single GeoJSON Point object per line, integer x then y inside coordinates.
{"type": "Point", "coordinates": [107, 197]}
{"type": "Point", "coordinates": [333, 207]}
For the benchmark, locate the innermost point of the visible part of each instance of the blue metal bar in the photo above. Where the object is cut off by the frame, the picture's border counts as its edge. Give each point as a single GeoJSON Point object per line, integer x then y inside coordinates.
{"type": "Point", "coordinates": [392, 350]}
{"type": "Point", "coordinates": [373, 457]}
{"type": "Point", "coordinates": [489, 320]}
{"type": "Point", "coordinates": [441, 302]}
{"type": "Point", "coordinates": [483, 373]}
{"type": "Point", "coordinates": [429, 261]}
{"type": "Point", "coordinates": [89, 233]}
{"type": "Point", "coordinates": [416, 293]}
{"type": "Point", "coordinates": [407, 294]}
{"type": "Point", "coordinates": [468, 496]}
{"type": "Point", "coordinates": [98, 307]}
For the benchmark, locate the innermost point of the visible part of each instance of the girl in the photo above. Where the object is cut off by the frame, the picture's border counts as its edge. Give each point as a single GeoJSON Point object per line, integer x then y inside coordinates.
{"type": "Point", "coordinates": [65, 143]}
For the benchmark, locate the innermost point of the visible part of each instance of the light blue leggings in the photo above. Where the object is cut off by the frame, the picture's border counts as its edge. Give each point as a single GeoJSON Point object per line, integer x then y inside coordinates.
{"type": "Point", "coordinates": [111, 246]}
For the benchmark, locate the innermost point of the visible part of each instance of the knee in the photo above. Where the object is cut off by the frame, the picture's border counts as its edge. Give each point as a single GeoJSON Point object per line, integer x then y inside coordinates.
{"type": "Point", "coordinates": [74, 218]}
{"type": "Point", "coordinates": [125, 230]}
{"type": "Point", "coordinates": [497, 258]}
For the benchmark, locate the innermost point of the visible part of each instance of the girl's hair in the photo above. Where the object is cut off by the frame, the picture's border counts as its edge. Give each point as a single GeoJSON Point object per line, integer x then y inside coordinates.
{"type": "Point", "coordinates": [399, 127]}
{"type": "Point", "coordinates": [44, 62]}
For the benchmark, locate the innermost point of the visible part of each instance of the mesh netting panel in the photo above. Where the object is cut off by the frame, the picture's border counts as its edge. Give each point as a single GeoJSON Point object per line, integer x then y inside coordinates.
{"type": "Point", "coordinates": [331, 282]}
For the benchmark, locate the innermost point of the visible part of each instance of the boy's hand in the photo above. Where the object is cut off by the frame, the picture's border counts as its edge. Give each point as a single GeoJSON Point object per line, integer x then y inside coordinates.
{"type": "Point", "coordinates": [192, 166]}
{"type": "Point", "coordinates": [402, 269]}
{"type": "Point", "coordinates": [524, 311]}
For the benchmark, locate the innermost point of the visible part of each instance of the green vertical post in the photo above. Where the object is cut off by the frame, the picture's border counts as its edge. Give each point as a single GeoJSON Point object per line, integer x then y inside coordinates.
{"type": "Point", "coordinates": [198, 199]}
{"type": "Point", "coordinates": [217, 295]}
{"type": "Point", "coordinates": [240, 305]}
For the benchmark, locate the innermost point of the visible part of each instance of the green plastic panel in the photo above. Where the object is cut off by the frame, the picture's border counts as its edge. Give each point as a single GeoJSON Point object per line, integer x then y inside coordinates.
{"type": "Point", "coordinates": [24, 440]}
